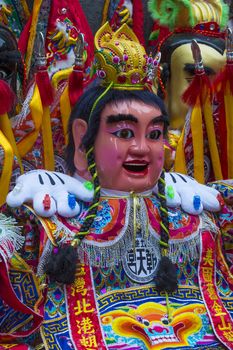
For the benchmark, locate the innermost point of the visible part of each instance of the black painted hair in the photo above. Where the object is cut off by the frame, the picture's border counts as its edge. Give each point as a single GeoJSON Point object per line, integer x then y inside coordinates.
{"type": "Point", "coordinates": [84, 106]}
{"type": "Point", "coordinates": [178, 39]}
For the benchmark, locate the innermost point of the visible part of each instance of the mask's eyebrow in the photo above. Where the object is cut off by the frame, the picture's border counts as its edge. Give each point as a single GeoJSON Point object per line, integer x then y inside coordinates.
{"type": "Point", "coordinates": [161, 119]}
{"type": "Point", "coordinates": [115, 118]}
{"type": "Point", "coordinates": [190, 68]}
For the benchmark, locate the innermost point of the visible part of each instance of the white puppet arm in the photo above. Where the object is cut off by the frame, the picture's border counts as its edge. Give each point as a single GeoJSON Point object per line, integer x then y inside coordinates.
{"type": "Point", "coordinates": [182, 190]}
{"type": "Point", "coordinates": [50, 192]}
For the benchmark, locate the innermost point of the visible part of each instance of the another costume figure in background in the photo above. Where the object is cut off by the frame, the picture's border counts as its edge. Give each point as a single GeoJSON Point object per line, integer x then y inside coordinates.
{"type": "Point", "coordinates": [52, 76]}
{"type": "Point", "coordinates": [38, 126]}
{"type": "Point", "coordinates": [126, 272]}
{"type": "Point", "coordinates": [12, 88]}
{"type": "Point", "coordinates": [13, 18]}
{"type": "Point", "coordinates": [205, 22]}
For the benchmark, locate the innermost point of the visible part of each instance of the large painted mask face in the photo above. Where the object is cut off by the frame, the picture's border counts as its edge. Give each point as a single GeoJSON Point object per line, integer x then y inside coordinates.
{"type": "Point", "coordinates": [181, 74]}
{"type": "Point", "coordinates": [129, 146]}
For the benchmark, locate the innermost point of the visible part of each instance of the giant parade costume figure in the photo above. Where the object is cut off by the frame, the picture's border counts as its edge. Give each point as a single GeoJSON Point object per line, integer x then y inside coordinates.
{"type": "Point", "coordinates": [132, 269]}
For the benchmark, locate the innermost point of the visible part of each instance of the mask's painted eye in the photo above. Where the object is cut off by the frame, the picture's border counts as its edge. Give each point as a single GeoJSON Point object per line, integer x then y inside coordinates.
{"type": "Point", "coordinates": [154, 134]}
{"type": "Point", "coordinates": [124, 133]}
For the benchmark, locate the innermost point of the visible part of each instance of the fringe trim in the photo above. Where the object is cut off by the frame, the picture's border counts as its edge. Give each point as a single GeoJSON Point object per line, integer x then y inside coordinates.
{"type": "Point", "coordinates": [44, 258]}
{"type": "Point", "coordinates": [106, 256]}
{"type": "Point", "coordinates": [20, 118]}
{"type": "Point", "coordinates": [185, 250]}
{"type": "Point", "coordinates": [209, 224]}
{"type": "Point", "coordinates": [10, 236]}
{"type": "Point", "coordinates": [111, 253]}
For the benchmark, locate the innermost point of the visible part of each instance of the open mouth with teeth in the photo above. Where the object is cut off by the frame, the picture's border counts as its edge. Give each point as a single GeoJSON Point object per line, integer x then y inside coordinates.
{"type": "Point", "coordinates": [136, 167]}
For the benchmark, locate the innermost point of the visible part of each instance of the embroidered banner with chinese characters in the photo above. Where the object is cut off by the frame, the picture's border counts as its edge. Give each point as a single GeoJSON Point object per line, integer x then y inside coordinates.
{"type": "Point", "coordinates": [220, 317]}
{"type": "Point", "coordinates": [83, 315]}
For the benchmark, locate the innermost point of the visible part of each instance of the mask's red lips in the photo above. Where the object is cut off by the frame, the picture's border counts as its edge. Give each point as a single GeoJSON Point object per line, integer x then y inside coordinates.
{"type": "Point", "coordinates": [136, 166]}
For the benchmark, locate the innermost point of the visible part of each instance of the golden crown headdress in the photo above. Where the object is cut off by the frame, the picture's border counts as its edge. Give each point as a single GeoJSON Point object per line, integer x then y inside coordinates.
{"type": "Point", "coordinates": [121, 60]}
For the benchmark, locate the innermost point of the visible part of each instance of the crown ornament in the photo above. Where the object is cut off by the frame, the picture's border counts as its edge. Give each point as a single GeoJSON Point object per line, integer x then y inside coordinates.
{"type": "Point", "coordinates": [122, 61]}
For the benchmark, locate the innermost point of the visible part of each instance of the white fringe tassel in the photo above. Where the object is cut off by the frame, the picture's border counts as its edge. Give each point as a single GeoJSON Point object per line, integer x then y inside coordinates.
{"type": "Point", "coordinates": [10, 236]}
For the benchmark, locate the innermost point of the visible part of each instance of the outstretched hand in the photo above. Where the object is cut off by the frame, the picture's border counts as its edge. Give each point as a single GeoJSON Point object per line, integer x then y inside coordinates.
{"type": "Point", "coordinates": [182, 190]}
{"type": "Point", "coordinates": [50, 192]}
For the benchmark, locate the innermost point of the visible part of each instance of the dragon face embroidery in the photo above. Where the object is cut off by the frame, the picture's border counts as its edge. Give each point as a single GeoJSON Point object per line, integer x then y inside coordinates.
{"type": "Point", "coordinates": [150, 324]}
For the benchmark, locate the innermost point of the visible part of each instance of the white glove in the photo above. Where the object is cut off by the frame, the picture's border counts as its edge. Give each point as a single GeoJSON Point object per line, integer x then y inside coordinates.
{"type": "Point", "coordinates": [50, 192]}
{"type": "Point", "coordinates": [182, 190]}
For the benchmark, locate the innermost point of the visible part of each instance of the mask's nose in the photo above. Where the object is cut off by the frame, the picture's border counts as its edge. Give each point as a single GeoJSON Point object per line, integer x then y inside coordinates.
{"type": "Point", "coordinates": [140, 146]}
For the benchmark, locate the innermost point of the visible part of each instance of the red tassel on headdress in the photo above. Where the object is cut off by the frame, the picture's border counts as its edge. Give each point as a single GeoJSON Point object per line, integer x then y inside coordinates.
{"type": "Point", "coordinates": [223, 87]}
{"type": "Point", "coordinates": [199, 95]}
{"type": "Point", "coordinates": [75, 85]}
{"type": "Point", "coordinates": [24, 37]}
{"type": "Point", "coordinates": [45, 87]}
{"type": "Point", "coordinates": [7, 97]}
{"type": "Point", "coordinates": [199, 87]}
{"type": "Point", "coordinates": [138, 21]}
{"type": "Point", "coordinates": [223, 78]}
